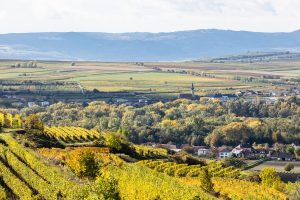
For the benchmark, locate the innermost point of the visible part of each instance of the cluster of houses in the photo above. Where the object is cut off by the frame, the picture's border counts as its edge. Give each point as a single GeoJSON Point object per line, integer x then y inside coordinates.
{"type": "Point", "coordinates": [138, 101]}
{"type": "Point", "coordinates": [248, 95]}
{"type": "Point", "coordinates": [40, 103]}
{"type": "Point", "coordinates": [241, 151]}
{"type": "Point", "coordinates": [20, 101]}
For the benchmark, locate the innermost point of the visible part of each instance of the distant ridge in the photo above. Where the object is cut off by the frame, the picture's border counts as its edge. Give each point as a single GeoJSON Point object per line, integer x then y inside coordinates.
{"type": "Point", "coordinates": [166, 46]}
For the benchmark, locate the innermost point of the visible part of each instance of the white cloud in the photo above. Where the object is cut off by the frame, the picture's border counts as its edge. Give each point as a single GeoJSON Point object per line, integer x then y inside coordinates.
{"type": "Point", "coordinates": [148, 15]}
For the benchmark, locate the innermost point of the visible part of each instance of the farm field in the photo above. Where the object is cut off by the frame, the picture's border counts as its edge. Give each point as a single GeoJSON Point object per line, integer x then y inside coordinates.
{"type": "Point", "coordinates": [153, 81]}
{"type": "Point", "coordinates": [136, 77]}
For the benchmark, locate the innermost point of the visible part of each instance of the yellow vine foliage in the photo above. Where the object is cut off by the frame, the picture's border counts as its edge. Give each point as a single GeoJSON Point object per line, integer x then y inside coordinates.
{"type": "Point", "coordinates": [240, 189]}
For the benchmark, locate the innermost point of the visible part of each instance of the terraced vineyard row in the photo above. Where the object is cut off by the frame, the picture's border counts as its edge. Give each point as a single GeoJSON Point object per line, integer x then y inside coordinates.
{"type": "Point", "coordinates": [183, 170]}
{"type": "Point", "coordinates": [72, 134]}
{"type": "Point", "coordinates": [24, 176]}
{"type": "Point", "coordinates": [150, 152]}
{"type": "Point", "coordinates": [224, 181]}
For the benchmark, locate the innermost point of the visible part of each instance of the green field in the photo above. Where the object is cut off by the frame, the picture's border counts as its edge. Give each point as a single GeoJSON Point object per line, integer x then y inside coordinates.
{"type": "Point", "coordinates": [155, 78]}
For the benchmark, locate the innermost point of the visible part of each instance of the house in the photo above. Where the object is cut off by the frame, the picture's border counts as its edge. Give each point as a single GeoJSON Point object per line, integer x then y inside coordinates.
{"type": "Point", "coordinates": [191, 149]}
{"type": "Point", "coordinates": [281, 156]}
{"type": "Point", "coordinates": [122, 101]}
{"type": "Point", "coordinates": [31, 104]}
{"type": "Point", "coordinates": [222, 97]}
{"type": "Point", "coordinates": [143, 101]}
{"type": "Point", "coordinates": [224, 152]}
{"type": "Point", "coordinates": [45, 103]}
{"type": "Point", "coordinates": [239, 93]}
{"type": "Point", "coordinates": [204, 151]}
{"type": "Point", "coordinates": [243, 151]}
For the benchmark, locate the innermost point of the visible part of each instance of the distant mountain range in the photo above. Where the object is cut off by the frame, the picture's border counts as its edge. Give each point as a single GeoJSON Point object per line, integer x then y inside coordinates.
{"type": "Point", "coordinates": [172, 46]}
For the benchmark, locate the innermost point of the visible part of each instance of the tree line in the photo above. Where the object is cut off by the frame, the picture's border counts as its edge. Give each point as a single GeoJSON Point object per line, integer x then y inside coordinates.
{"type": "Point", "coordinates": [208, 121]}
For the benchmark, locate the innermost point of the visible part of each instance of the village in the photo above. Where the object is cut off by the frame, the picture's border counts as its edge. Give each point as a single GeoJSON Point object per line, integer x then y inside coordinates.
{"type": "Point", "coordinates": [22, 100]}
{"type": "Point", "coordinates": [280, 152]}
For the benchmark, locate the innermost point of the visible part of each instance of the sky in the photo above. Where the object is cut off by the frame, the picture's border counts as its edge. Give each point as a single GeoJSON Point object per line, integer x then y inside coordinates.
{"type": "Point", "coordinates": [148, 15]}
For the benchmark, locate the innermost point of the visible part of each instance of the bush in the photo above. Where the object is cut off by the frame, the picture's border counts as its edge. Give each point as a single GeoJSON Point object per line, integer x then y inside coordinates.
{"type": "Point", "coordinates": [84, 164]}
{"type": "Point", "coordinates": [107, 187]}
{"type": "Point", "coordinates": [34, 125]}
{"type": "Point", "coordinates": [113, 142]}
{"type": "Point", "coordinates": [270, 178]}
{"type": "Point", "coordinates": [205, 180]}
{"type": "Point", "coordinates": [297, 152]}
{"type": "Point", "coordinates": [288, 167]}
{"type": "Point", "coordinates": [293, 190]}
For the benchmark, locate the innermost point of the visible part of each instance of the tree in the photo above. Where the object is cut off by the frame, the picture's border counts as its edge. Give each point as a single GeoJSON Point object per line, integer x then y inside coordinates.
{"type": "Point", "coordinates": [232, 134]}
{"type": "Point", "coordinates": [270, 178]}
{"type": "Point", "coordinates": [297, 152]}
{"type": "Point", "coordinates": [113, 142]}
{"type": "Point", "coordinates": [205, 180]}
{"type": "Point", "coordinates": [9, 118]}
{"type": "Point", "coordinates": [2, 119]}
{"type": "Point", "coordinates": [107, 187]}
{"type": "Point", "coordinates": [288, 167]}
{"type": "Point", "coordinates": [34, 124]}
{"type": "Point", "coordinates": [84, 164]}
{"type": "Point", "coordinates": [17, 122]}
{"type": "Point", "coordinates": [289, 149]}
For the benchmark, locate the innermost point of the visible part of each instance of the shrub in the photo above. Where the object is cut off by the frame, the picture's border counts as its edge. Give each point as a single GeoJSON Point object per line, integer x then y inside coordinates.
{"type": "Point", "coordinates": [84, 164]}
{"type": "Point", "coordinates": [293, 190]}
{"type": "Point", "coordinates": [107, 186]}
{"type": "Point", "coordinates": [288, 167]}
{"type": "Point", "coordinates": [205, 179]}
{"type": "Point", "coordinates": [270, 178]}
{"type": "Point", "coordinates": [297, 152]}
{"type": "Point", "coordinates": [113, 142]}
{"type": "Point", "coordinates": [34, 124]}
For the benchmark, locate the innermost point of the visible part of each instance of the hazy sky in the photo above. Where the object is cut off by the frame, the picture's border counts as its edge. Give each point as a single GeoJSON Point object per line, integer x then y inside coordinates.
{"type": "Point", "coordinates": [148, 15]}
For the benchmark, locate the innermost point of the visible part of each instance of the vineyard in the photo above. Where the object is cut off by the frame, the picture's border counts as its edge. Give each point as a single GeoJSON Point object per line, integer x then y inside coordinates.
{"type": "Point", "coordinates": [150, 152]}
{"type": "Point", "coordinates": [225, 179]}
{"type": "Point", "coordinates": [40, 173]}
{"type": "Point", "coordinates": [25, 176]}
{"type": "Point", "coordinates": [137, 182]}
{"type": "Point", "coordinates": [9, 121]}
{"type": "Point", "coordinates": [215, 168]}
{"type": "Point", "coordinates": [72, 134]}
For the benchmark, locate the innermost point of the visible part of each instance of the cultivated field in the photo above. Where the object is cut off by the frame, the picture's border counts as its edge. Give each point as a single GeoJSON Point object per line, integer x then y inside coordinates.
{"type": "Point", "coordinates": [171, 77]}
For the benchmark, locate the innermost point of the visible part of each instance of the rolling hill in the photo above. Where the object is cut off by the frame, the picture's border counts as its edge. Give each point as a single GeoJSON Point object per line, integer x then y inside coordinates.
{"type": "Point", "coordinates": [172, 46]}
